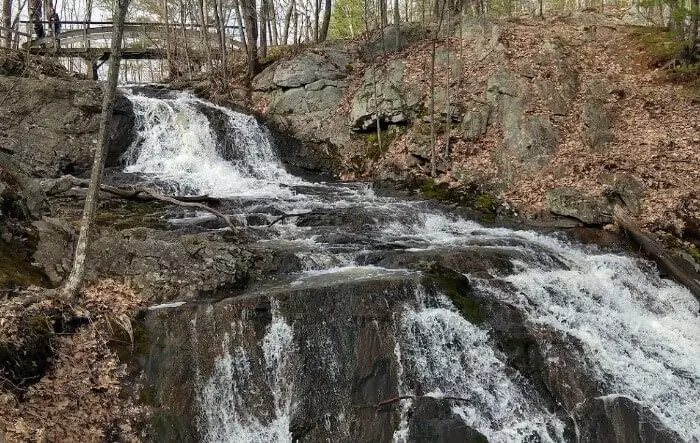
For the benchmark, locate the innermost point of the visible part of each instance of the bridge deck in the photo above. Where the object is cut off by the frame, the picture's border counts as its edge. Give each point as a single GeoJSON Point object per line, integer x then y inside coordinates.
{"type": "Point", "coordinates": [141, 41]}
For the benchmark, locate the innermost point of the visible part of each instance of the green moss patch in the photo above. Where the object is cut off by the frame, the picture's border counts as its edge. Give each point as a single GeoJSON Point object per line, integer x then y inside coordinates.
{"type": "Point", "coordinates": [467, 196]}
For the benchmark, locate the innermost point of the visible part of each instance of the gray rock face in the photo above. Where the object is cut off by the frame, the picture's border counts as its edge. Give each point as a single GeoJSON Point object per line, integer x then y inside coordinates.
{"type": "Point", "coordinates": [308, 68]}
{"type": "Point", "coordinates": [528, 140]}
{"type": "Point", "coordinates": [303, 93]}
{"type": "Point", "coordinates": [165, 265]}
{"type": "Point", "coordinates": [54, 250]}
{"type": "Point", "coordinates": [50, 126]}
{"type": "Point", "coordinates": [384, 97]}
{"type": "Point", "coordinates": [475, 122]}
{"type": "Point", "coordinates": [386, 41]}
{"type": "Point", "coordinates": [630, 189]}
{"type": "Point", "coordinates": [597, 119]}
{"type": "Point", "coordinates": [571, 203]}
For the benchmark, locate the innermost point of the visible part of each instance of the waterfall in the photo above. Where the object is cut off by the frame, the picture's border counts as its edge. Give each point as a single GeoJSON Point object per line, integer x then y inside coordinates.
{"type": "Point", "coordinates": [176, 144]}
{"type": "Point", "coordinates": [446, 355]}
{"type": "Point", "coordinates": [231, 408]}
{"type": "Point", "coordinates": [638, 333]}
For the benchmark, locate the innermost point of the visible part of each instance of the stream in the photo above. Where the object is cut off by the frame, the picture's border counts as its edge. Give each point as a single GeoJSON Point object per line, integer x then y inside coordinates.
{"type": "Point", "coordinates": [400, 321]}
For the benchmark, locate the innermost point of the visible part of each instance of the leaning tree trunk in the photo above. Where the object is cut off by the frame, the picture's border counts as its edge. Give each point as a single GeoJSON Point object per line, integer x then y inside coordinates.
{"type": "Point", "coordinates": [77, 273]}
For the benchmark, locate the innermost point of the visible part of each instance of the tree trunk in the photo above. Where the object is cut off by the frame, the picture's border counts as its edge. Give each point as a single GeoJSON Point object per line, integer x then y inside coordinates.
{"type": "Point", "coordinates": [397, 23]}
{"type": "Point", "coordinates": [326, 21]}
{"type": "Point", "coordinates": [274, 34]}
{"type": "Point", "coordinates": [75, 279]}
{"type": "Point", "coordinates": [263, 28]}
{"type": "Point", "coordinates": [693, 32]}
{"type": "Point", "coordinates": [317, 13]}
{"type": "Point", "coordinates": [7, 22]}
{"type": "Point", "coordinates": [221, 31]}
{"type": "Point", "coordinates": [287, 20]}
{"type": "Point", "coordinates": [383, 16]}
{"type": "Point", "coordinates": [239, 23]}
{"type": "Point", "coordinates": [251, 30]}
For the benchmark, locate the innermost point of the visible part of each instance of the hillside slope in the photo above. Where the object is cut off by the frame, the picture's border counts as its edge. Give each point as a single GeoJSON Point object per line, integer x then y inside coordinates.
{"type": "Point", "coordinates": [568, 115]}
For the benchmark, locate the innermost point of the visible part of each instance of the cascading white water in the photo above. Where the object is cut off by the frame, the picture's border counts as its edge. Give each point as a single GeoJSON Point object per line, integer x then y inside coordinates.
{"type": "Point", "coordinates": [226, 404]}
{"type": "Point", "coordinates": [640, 333]}
{"type": "Point", "coordinates": [176, 144]}
{"type": "Point", "coordinates": [448, 356]}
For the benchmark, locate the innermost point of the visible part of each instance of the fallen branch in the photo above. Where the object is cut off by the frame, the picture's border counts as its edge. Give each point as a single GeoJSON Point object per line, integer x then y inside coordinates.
{"type": "Point", "coordinates": [66, 182]}
{"type": "Point", "coordinates": [141, 194]}
{"type": "Point", "coordinates": [413, 397]}
{"type": "Point", "coordinates": [656, 252]}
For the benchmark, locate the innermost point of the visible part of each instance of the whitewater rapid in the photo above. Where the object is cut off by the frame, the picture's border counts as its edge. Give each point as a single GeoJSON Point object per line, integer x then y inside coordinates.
{"type": "Point", "coordinates": [640, 333]}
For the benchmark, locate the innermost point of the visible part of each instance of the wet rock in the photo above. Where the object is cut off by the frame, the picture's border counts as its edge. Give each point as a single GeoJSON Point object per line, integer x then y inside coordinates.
{"type": "Point", "coordinates": [165, 265]}
{"type": "Point", "coordinates": [621, 419]}
{"type": "Point", "coordinates": [389, 100]}
{"type": "Point", "coordinates": [50, 125]}
{"type": "Point", "coordinates": [432, 421]}
{"type": "Point", "coordinates": [345, 349]}
{"type": "Point", "coordinates": [571, 203]}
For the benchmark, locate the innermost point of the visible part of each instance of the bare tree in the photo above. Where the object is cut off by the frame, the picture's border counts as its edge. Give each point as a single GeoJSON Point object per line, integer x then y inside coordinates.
{"type": "Point", "coordinates": [264, 11]}
{"type": "Point", "coordinates": [251, 30]}
{"type": "Point", "coordinates": [7, 22]}
{"type": "Point", "coordinates": [326, 20]}
{"type": "Point", "coordinates": [75, 279]}
{"type": "Point", "coordinates": [693, 31]}
{"type": "Point", "coordinates": [287, 21]}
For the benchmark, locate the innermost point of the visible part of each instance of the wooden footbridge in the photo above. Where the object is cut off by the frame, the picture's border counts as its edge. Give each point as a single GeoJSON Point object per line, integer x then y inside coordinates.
{"type": "Point", "coordinates": [91, 41]}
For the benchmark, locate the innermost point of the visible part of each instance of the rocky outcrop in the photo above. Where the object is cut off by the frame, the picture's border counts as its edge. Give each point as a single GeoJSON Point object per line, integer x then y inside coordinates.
{"type": "Point", "coordinates": [166, 265]}
{"type": "Point", "coordinates": [597, 118]}
{"type": "Point", "coordinates": [384, 97]}
{"type": "Point", "coordinates": [572, 203]}
{"type": "Point", "coordinates": [50, 126]}
{"type": "Point", "coordinates": [301, 94]}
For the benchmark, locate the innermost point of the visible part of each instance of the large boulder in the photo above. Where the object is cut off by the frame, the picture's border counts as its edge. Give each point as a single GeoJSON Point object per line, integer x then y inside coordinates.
{"type": "Point", "coordinates": [50, 126]}
{"type": "Point", "coordinates": [572, 203]}
{"type": "Point", "coordinates": [384, 97]}
{"type": "Point", "coordinates": [165, 265]}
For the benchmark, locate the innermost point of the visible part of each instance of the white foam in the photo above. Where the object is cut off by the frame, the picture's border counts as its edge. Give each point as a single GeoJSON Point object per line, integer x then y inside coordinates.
{"type": "Point", "coordinates": [640, 332]}
{"type": "Point", "coordinates": [176, 144]}
{"type": "Point", "coordinates": [227, 411]}
{"type": "Point", "coordinates": [448, 356]}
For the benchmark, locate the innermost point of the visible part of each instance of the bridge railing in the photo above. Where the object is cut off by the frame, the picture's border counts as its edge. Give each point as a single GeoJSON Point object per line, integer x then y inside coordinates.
{"type": "Point", "coordinates": [144, 35]}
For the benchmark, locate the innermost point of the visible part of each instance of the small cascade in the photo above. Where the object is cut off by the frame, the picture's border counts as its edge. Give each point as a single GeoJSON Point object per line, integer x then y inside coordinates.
{"type": "Point", "coordinates": [176, 144]}
{"type": "Point", "coordinates": [445, 356]}
{"type": "Point", "coordinates": [232, 397]}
